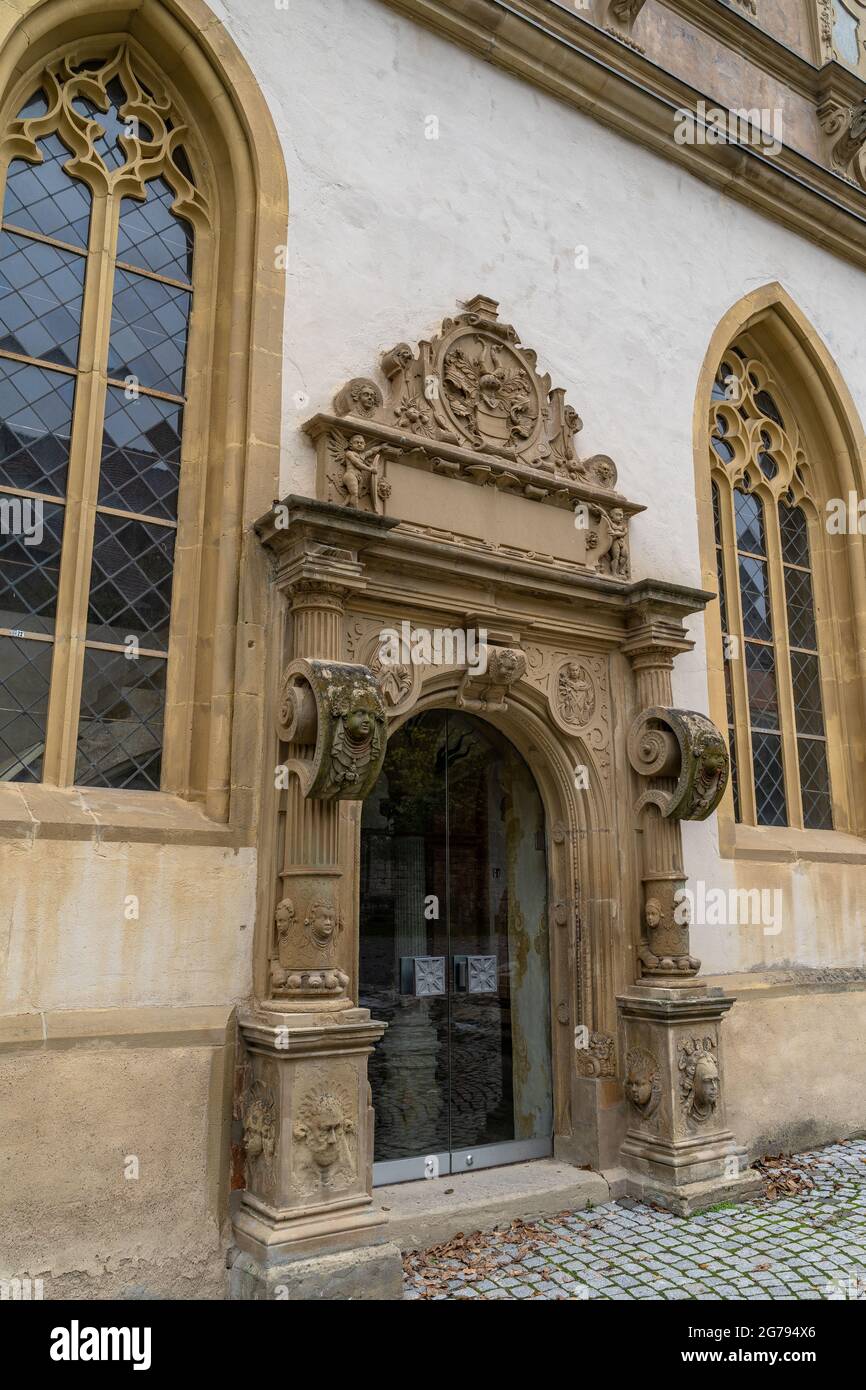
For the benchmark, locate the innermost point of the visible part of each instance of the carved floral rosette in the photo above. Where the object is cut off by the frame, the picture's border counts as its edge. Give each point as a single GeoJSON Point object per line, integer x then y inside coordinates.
{"type": "Point", "coordinates": [334, 715]}
{"type": "Point", "coordinates": [471, 404]}
{"type": "Point", "coordinates": [683, 745]}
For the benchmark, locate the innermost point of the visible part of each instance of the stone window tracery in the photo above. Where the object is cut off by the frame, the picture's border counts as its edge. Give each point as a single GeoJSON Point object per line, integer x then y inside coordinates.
{"type": "Point", "coordinates": [100, 217]}
{"type": "Point", "coordinates": [764, 508]}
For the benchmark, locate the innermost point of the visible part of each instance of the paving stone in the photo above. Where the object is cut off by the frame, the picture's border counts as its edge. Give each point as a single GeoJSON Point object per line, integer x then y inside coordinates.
{"type": "Point", "coordinates": [812, 1245]}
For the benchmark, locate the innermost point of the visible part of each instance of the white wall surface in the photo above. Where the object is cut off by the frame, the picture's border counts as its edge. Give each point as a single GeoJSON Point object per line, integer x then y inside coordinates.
{"type": "Point", "coordinates": [389, 230]}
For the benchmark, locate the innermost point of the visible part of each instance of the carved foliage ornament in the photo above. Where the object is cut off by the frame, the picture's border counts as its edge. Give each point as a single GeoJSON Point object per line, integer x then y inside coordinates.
{"type": "Point", "coordinates": [116, 119]}
{"type": "Point", "coordinates": [334, 714]}
{"type": "Point", "coordinates": [682, 744]}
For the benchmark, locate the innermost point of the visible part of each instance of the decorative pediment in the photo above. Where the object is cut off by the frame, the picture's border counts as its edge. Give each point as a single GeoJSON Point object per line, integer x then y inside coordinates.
{"type": "Point", "coordinates": [470, 404]}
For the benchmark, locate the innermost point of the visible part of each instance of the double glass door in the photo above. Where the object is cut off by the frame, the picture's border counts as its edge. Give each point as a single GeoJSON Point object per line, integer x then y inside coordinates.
{"type": "Point", "coordinates": [454, 952]}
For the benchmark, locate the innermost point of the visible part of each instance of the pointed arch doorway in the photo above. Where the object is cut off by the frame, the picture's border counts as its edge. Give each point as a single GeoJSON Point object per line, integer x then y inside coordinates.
{"type": "Point", "coordinates": [454, 951]}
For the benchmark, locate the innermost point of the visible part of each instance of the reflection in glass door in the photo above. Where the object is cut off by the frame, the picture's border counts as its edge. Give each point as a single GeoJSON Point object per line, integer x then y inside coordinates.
{"type": "Point", "coordinates": [454, 951]}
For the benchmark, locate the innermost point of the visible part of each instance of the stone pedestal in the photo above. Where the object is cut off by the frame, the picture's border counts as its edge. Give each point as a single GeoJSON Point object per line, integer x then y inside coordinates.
{"type": "Point", "coordinates": [678, 1149]}
{"type": "Point", "coordinates": [308, 1136]}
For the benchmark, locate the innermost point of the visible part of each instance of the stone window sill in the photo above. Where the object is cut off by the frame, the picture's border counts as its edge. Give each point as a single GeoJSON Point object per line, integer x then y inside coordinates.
{"type": "Point", "coordinates": [39, 811]}
{"type": "Point", "coordinates": [784, 845]}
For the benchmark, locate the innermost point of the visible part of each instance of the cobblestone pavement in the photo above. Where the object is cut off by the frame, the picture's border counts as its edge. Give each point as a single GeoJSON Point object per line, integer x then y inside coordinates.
{"type": "Point", "coordinates": [809, 1246]}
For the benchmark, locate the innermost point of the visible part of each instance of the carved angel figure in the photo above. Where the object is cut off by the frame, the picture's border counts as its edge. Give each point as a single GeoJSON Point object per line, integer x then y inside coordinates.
{"type": "Point", "coordinates": [575, 693]}
{"type": "Point", "coordinates": [618, 541]}
{"type": "Point", "coordinates": [355, 472]}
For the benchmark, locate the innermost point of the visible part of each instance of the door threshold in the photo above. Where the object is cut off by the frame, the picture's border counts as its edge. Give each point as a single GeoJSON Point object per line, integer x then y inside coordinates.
{"type": "Point", "coordinates": [421, 1214]}
{"type": "Point", "coordinates": [439, 1165]}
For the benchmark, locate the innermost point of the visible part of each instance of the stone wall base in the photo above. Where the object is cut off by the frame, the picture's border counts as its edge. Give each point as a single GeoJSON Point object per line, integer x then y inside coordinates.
{"type": "Point", "coordinates": [373, 1273]}
{"type": "Point", "coordinates": [691, 1198]}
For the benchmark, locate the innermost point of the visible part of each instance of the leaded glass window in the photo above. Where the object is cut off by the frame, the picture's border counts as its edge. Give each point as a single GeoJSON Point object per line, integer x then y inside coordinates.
{"type": "Point", "coordinates": [95, 307]}
{"type": "Point", "coordinates": [763, 509]}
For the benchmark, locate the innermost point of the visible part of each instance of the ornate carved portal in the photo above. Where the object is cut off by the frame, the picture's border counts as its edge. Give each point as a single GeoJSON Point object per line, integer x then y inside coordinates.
{"type": "Point", "coordinates": [460, 554]}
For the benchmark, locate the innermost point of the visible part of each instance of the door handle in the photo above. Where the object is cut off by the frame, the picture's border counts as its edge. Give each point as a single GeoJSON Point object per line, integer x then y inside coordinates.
{"type": "Point", "coordinates": [423, 976]}
{"type": "Point", "coordinates": [475, 974]}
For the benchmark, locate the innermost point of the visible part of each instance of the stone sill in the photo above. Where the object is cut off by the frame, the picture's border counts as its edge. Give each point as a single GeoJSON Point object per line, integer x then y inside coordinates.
{"type": "Point", "coordinates": [37, 811]}
{"type": "Point", "coordinates": [785, 845]}
{"type": "Point", "coordinates": [762, 984]}
{"type": "Point", "coordinates": [206, 1026]}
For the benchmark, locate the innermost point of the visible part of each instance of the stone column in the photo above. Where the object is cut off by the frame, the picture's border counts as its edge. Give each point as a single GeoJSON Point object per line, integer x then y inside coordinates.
{"type": "Point", "coordinates": [678, 1150]}
{"type": "Point", "coordinates": [306, 1226]}
{"type": "Point", "coordinates": [653, 642]}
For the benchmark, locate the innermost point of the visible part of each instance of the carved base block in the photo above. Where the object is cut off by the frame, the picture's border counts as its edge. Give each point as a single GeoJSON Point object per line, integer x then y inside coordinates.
{"type": "Point", "coordinates": [678, 1150]}
{"type": "Point", "coordinates": [695, 1197]}
{"type": "Point", "coordinates": [598, 1113]}
{"type": "Point", "coordinates": [308, 1134]}
{"type": "Point", "coordinates": [372, 1272]}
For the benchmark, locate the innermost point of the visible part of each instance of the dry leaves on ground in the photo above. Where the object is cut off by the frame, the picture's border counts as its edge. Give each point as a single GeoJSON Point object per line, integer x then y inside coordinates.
{"type": "Point", "coordinates": [784, 1176]}
{"type": "Point", "coordinates": [472, 1257]}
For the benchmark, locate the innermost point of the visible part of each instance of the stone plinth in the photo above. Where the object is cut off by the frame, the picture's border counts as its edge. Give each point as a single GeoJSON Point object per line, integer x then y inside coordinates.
{"type": "Point", "coordinates": [678, 1150]}
{"type": "Point", "coordinates": [308, 1138]}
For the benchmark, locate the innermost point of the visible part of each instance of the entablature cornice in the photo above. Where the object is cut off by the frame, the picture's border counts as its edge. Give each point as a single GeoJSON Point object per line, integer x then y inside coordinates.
{"type": "Point", "coordinates": [598, 72]}
{"type": "Point", "coordinates": [382, 563]}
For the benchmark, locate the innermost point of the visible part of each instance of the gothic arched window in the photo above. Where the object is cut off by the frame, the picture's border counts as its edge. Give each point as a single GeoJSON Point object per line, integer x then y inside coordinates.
{"type": "Point", "coordinates": [765, 518]}
{"type": "Point", "coordinates": [99, 216]}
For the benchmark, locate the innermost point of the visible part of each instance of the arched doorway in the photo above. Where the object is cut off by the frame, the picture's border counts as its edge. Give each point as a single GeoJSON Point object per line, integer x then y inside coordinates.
{"type": "Point", "coordinates": [454, 951]}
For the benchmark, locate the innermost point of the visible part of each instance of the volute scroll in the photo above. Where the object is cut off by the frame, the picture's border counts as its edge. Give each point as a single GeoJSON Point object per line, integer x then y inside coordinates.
{"type": "Point", "coordinates": [334, 716]}
{"type": "Point", "coordinates": [683, 745]}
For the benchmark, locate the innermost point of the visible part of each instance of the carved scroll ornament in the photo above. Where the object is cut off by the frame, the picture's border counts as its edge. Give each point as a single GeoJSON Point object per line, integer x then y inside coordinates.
{"type": "Point", "coordinates": [683, 745]}
{"type": "Point", "coordinates": [334, 714]}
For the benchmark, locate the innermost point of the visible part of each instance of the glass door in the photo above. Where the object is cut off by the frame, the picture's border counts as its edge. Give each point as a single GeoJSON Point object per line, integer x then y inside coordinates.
{"type": "Point", "coordinates": [454, 952]}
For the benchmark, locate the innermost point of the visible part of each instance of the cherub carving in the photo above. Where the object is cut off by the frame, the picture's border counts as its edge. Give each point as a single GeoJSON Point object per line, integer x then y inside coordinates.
{"type": "Point", "coordinates": [618, 553]}
{"type": "Point", "coordinates": [355, 475]}
{"type": "Point", "coordinates": [322, 926]}
{"type": "Point", "coordinates": [643, 1086]}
